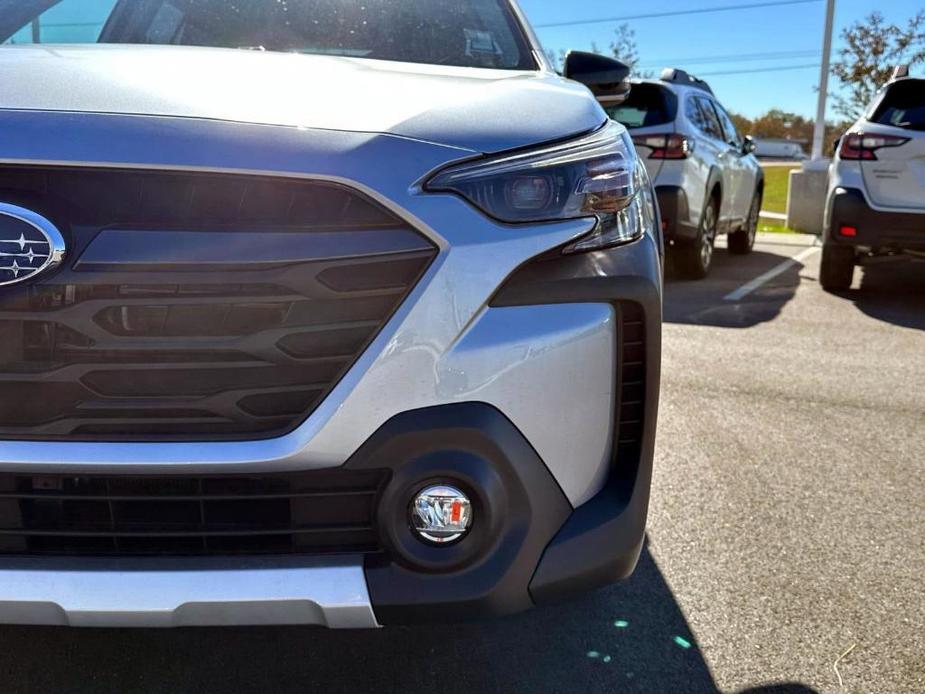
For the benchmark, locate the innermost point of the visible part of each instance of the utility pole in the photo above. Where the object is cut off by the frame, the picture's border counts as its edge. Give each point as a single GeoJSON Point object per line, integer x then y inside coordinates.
{"type": "Point", "coordinates": [819, 129]}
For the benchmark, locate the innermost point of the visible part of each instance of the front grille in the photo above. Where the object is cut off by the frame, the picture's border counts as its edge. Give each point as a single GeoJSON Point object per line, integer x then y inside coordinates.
{"type": "Point", "coordinates": [288, 513]}
{"type": "Point", "coordinates": [632, 393]}
{"type": "Point", "coordinates": [194, 306]}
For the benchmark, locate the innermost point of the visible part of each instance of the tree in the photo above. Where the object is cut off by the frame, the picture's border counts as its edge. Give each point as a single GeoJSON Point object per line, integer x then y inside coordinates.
{"type": "Point", "coordinates": [872, 48]}
{"type": "Point", "coordinates": [783, 125]}
{"type": "Point", "coordinates": [742, 124]}
{"type": "Point", "coordinates": [624, 48]}
{"type": "Point", "coordinates": [779, 124]}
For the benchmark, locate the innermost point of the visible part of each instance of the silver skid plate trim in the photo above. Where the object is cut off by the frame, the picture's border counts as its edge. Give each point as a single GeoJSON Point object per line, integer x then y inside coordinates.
{"type": "Point", "coordinates": [182, 593]}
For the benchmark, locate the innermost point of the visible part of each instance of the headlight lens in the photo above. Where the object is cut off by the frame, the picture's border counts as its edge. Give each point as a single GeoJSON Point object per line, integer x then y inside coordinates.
{"type": "Point", "coordinates": [598, 175]}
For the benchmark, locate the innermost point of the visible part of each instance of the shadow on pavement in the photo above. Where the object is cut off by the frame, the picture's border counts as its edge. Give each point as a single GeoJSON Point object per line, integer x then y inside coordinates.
{"type": "Point", "coordinates": [631, 637]}
{"type": "Point", "coordinates": [893, 293]}
{"type": "Point", "coordinates": [702, 302]}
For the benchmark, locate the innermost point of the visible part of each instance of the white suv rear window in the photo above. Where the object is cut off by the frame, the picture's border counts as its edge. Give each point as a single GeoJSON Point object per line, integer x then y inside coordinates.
{"type": "Point", "coordinates": [647, 105]}
{"type": "Point", "coordinates": [902, 105]}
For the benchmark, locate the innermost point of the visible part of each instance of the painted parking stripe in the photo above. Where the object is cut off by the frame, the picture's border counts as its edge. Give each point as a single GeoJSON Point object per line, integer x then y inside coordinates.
{"type": "Point", "coordinates": [773, 215]}
{"type": "Point", "coordinates": [761, 280]}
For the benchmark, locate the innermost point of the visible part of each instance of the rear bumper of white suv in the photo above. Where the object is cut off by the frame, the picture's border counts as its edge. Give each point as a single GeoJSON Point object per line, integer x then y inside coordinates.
{"type": "Point", "coordinates": [853, 221]}
{"type": "Point", "coordinates": [674, 209]}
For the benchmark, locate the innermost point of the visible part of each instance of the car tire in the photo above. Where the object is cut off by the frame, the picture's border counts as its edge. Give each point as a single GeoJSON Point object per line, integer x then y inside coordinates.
{"type": "Point", "coordinates": [693, 260]}
{"type": "Point", "coordinates": [743, 241]}
{"type": "Point", "coordinates": [837, 269]}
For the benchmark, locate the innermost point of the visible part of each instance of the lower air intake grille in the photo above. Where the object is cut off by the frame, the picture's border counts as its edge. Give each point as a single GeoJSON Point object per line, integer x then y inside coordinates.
{"type": "Point", "coordinates": [632, 381]}
{"type": "Point", "coordinates": [289, 513]}
{"type": "Point", "coordinates": [192, 306]}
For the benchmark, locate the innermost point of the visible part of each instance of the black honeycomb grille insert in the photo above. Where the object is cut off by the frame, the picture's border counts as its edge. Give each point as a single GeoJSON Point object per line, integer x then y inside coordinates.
{"type": "Point", "coordinates": [318, 512]}
{"type": "Point", "coordinates": [194, 306]}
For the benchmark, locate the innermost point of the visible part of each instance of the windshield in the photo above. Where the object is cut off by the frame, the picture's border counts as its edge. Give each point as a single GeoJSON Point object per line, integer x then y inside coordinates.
{"type": "Point", "coordinates": [474, 33]}
{"type": "Point", "coordinates": [902, 106]}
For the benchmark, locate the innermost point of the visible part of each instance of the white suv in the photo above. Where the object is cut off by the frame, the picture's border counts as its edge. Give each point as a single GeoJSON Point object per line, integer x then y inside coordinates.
{"type": "Point", "coordinates": [707, 179]}
{"type": "Point", "coordinates": [876, 200]}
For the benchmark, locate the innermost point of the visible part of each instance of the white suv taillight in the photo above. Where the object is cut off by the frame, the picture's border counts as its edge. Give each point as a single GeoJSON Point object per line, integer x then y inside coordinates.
{"type": "Point", "coordinates": [667, 146]}
{"type": "Point", "coordinates": [858, 146]}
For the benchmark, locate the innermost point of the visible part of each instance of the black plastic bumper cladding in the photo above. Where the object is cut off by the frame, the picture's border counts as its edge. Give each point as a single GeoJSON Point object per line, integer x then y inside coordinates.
{"type": "Point", "coordinates": [306, 513]}
{"type": "Point", "coordinates": [517, 509]}
{"type": "Point", "coordinates": [675, 213]}
{"type": "Point", "coordinates": [875, 229]}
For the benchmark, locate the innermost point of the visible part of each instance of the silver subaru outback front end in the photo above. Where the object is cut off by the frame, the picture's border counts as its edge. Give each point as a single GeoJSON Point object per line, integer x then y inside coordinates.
{"type": "Point", "coordinates": [349, 316]}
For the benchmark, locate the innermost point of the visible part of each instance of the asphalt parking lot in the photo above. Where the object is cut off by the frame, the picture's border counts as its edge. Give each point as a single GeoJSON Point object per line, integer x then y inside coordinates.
{"type": "Point", "coordinates": [787, 529]}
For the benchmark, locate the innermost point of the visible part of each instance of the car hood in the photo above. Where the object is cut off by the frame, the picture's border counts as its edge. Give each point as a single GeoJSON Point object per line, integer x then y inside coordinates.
{"type": "Point", "coordinates": [474, 109]}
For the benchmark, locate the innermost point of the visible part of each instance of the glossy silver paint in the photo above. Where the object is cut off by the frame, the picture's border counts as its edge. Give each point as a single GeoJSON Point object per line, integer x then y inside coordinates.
{"type": "Point", "coordinates": [198, 592]}
{"type": "Point", "coordinates": [478, 109]}
{"type": "Point", "coordinates": [552, 371]}
{"type": "Point", "coordinates": [476, 255]}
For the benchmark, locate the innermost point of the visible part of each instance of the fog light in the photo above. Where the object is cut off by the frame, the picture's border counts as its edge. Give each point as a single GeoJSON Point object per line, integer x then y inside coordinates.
{"type": "Point", "coordinates": [441, 514]}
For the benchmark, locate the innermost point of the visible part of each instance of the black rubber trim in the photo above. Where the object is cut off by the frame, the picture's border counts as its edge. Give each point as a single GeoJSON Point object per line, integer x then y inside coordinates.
{"type": "Point", "coordinates": [517, 509]}
{"type": "Point", "coordinates": [118, 250]}
{"type": "Point", "coordinates": [675, 213]}
{"type": "Point", "coordinates": [602, 539]}
{"type": "Point", "coordinates": [876, 229]}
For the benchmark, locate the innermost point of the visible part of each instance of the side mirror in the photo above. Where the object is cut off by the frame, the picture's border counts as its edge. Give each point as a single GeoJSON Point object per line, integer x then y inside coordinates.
{"type": "Point", "coordinates": [749, 146]}
{"type": "Point", "coordinates": [608, 79]}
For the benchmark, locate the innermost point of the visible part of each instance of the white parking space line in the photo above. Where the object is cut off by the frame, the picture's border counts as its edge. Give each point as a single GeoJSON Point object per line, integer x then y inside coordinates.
{"type": "Point", "coordinates": [774, 215]}
{"type": "Point", "coordinates": [763, 279]}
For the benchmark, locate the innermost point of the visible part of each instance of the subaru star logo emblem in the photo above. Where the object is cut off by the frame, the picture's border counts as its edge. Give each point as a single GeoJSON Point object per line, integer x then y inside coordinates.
{"type": "Point", "coordinates": [29, 244]}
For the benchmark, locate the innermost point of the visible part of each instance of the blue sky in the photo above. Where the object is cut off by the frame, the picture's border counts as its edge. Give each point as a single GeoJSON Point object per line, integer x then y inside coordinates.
{"type": "Point", "coordinates": [796, 29]}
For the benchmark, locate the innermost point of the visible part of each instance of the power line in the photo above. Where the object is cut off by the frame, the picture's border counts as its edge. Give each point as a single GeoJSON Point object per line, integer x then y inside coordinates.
{"type": "Point", "coordinates": [760, 69]}
{"type": "Point", "coordinates": [731, 58]}
{"type": "Point", "coordinates": [677, 13]}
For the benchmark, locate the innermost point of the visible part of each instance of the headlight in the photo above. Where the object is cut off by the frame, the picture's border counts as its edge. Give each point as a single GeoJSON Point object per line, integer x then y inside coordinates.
{"type": "Point", "coordinates": [598, 176]}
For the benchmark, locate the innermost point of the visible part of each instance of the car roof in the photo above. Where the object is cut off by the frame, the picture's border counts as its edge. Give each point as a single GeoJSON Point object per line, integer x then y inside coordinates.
{"type": "Point", "coordinates": [679, 87]}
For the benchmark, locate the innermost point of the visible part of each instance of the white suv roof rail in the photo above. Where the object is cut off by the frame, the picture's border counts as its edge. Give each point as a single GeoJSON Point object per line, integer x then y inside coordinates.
{"type": "Point", "coordinates": [678, 76]}
{"type": "Point", "coordinates": [900, 72]}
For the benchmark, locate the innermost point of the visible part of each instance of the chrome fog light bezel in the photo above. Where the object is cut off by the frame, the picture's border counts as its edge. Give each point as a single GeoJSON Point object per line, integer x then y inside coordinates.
{"type": "Point", "coordinates": [440, 514]}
